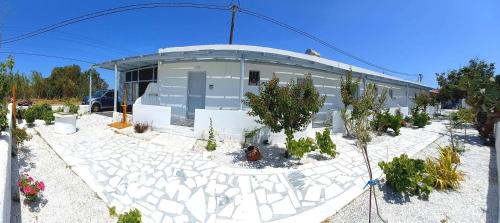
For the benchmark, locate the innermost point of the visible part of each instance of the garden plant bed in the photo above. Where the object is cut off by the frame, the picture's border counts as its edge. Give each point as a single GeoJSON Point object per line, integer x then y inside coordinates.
{"type": "Point", "coordinates": [66, 197]}
{"type": "Point", "coordinates": [475, 201]}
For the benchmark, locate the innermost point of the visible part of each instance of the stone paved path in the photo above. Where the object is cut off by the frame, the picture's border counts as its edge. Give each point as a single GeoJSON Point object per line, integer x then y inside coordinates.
{"type": "Point", "coordinates": [169, 182]}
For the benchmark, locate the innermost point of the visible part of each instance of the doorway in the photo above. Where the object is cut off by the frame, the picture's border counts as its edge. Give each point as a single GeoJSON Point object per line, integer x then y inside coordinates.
{"type": "Point", "coordinates": [196, 92]}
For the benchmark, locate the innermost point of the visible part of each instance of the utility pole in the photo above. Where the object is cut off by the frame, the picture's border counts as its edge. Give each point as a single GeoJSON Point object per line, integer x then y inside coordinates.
{"type": "Point", "coordinates": [234, 8]}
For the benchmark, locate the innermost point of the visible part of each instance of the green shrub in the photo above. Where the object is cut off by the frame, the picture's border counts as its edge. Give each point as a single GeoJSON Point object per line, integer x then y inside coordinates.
{"type": "Point", "coordinates": [48, 117]}
{"type": "Point", "coordinates": [72, 107]}
{"type": "Point", "coordinates": [30, 116]}
{"type": "Point", "coordinates": [112, 211]}
{"type": "Point", "coordinates": [396, 122]}
{"type": "Point", "coordinates": [40, 110]}
{"type": "Point", "coordinates": [383, 121]}
{"type": "Point", "coordinates": [420, 119]}
{"type": "Point", "coordinates": [211, 144]}
{"type": "Point", "coordinates": [407, 176]}
{"type": "Point", "coordinates": [325, 144]}
{"type": "Point", "coordinates": [20, 136]}
{"type": "Point", "coordinates": [443, 170]}
{"type": "Point", "coordinates": [133, 216]}
{"type": "Point", "coordinates": [300, 147]}
{"type": "Point", "coordinates": [20, 114]}
{"type": "Point", "coordinates": [3, 118]}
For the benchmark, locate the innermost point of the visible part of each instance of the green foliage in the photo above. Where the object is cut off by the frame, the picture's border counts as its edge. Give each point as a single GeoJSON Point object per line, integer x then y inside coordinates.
{"type": "Point", "coordinates": [3, 118]}
{"type": "Point", "coordinates": [133, 216]}
{"type": "Point", "coordinates": [423, 100]}
{"type": "Point", "coordinates": [443, 170]}
{"type": "Point", "coordinates": [211, 144]}
{"type": "Point", "coordinates": [383, 121]}
{"type": "Point", "coordinates": [420, 119]}
{"type": "Point", "coordinates": [480, 87]}
{"type": "Point", "coordinates": [289, 108]}
{"type": "Point", "coordinates": [48, 117]}
{"type": "Point", "coordinates": [42, 112]}
{"type": "Point", "coordinates": [362, 109]}
{"type": "Point", "coordinates": [72, 107]}
{"type": "Point", "coordinates": [300, 147]}
{"type": "Point", "coordinates": [112, 211]}
{"type": "Point", "coordinates": [465, 116]}
{"type": "Point", "coordinates": [348, 89]}
{"type": "Point", "coordinates": [407, 176]}
{"type": "Point", "coordinates": [20, 136]}
{"type": "Point", "coordinates": [325, 144]}
{"type": "Point", "coordinates": [30, 116]}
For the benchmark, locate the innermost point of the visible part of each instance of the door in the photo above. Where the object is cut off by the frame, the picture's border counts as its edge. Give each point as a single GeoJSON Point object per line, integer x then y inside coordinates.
{"type": "Point", "coordinates": [196, 92]}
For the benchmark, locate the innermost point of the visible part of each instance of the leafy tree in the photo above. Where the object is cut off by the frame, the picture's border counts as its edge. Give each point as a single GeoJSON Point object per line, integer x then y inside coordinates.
{"type": "Point", "coordinates": [300, 147]}
{"type": "Point", "coordinates": [348, 89]}
{"type": "Point", "coordinates": [325, 144]}
{"type": "Point", "coordinates": [289, 108]}
{"type": "Point", "coordinates": [480, 87]}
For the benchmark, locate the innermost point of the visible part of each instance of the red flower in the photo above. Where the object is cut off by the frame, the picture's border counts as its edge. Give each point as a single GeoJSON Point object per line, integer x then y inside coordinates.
{"type": "Point", "coordinates": [40, 185]}
{"type": "Point", "coordinates": [26, 189]}
{"type": "Point", "coordinates": [20, 183]}
{"type": "Point", "coordinates": [30, 179]}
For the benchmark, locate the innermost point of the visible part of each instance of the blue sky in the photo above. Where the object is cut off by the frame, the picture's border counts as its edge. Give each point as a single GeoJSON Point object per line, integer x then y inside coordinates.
{"type": "Point", "coordinates": [425, 36]}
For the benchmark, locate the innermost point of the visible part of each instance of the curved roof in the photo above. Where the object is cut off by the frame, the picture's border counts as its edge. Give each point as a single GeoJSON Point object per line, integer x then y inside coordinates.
{"type": "Point", "coordinates": [250, 53]}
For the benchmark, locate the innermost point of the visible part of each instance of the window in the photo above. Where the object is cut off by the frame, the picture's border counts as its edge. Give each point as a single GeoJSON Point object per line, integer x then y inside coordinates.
{"type": "Point", "coordinates": [391, 94]}
{"type": "Point", "coordinates": [254, 78]}
{"type": "Point", "coordinates": [109, 94]}
{"type": "Point", "coordinates": [128, 76]}
{"type": "Point", "coordinates": [135, 75]}
{"type": "Point", "coordinates": [146, 74]}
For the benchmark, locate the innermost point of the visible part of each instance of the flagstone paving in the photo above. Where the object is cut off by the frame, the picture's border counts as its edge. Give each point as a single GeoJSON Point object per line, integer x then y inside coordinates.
{"type": "Point", "coordinates": [169, 182]}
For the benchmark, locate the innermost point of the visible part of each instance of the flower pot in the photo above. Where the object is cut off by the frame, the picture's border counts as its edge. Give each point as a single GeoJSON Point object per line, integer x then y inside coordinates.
{"type": "Point", "coordinates": [253, 153]}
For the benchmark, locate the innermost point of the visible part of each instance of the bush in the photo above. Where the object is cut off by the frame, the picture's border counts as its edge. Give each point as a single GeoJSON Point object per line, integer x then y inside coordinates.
{"type": "Point", "coordinates": [325, 144]}
{"type": "Point", "coordinates": [48, 117]}
{"type": "Point", "coordinates": [211, 144]}
{"type": "Point", "coordinates": [383, 121]}
{"type": "Point", "coordinates": [3, 118]}
{"type": "Point", "coordinates": [40, 110]}
{"type": "Point", "coordinates": [20, 136]}
{"type": "Point", "coordinates": [72, 107]}
{"type": "Point", "coordinates": [420, 119]}
{"type": "Point", "coordinates": [133, 216]}
{"type": "Point", "coordinates": [301, 147]}
{"type": "Point", "coordinates": [407, 176]}
{"type": "Point", "coordinates": [141, 127]}
{"type": "Point", "coordinates": [444, 171]}
{"type": "Point", "coordinates": [29, 115]}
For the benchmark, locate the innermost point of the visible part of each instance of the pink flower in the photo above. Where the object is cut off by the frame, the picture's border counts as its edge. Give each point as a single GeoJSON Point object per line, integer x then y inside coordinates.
{"type": "Point", "coordinates": [20, 183]}
{"type": "Point", "coordinates": [30, 179]}
{"type": "Point", "coordinates": [26, 189]}
{"type": "Point", "coordinates": [40, 185]}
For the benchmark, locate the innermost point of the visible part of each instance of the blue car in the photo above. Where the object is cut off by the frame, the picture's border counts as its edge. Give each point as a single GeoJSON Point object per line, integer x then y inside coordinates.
{"type": "Point", "coordinates": [101, 100]}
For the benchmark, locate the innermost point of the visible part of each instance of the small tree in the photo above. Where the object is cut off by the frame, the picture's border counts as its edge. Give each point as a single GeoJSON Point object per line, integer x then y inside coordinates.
{"type": "Point", "coordinates": [465, 117]}
{"type": "Point", "coordinates": [362, 109]}
{"type": "Point", "coordinates": [289, 108]}
{"type": "Point", "coordinates": [211, 144]}
{"type": "Point", "coordinates": [348, 89]}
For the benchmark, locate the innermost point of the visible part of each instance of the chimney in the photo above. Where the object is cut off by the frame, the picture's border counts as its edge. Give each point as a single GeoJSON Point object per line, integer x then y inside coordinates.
{"type": "Point", "coordinates": [312, 53]}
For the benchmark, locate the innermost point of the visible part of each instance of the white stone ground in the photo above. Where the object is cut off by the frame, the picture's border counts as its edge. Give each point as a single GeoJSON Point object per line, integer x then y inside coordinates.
{"type": "Point", "coordinates": [475, 201]}
{"type": "Point", "coordinates": [169, 181]}
{"type": "Point", "coordinates": [66, 197]}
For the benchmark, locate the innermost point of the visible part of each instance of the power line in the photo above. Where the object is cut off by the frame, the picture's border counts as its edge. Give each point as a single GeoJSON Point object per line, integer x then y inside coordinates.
{"type": "Point", "coordinates": [109, 12]}
{"type": "Point", "coordinates": [46, 55]}
{"type": "Point", "coordinates": [194, 5]}
{"type": "Point", "coordinates": [322, 42]}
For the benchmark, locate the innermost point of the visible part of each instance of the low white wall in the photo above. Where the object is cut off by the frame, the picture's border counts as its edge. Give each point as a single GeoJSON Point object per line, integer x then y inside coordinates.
{"type": "Point", "coordinates": [157, 116]}
{"type": "Point", "coordinates": [231, 125]}
{"type": "Point", "coordinates": [404, 110]}
{"type": "Point", "coordinates": [337, 122]}
{"type": "Point", "coordinates": [228, 124]}
{"type": "Point", "coordinates": [5, 171]}
{"type": "Point", "coordinates": [497, 147]}
{"type": "Point", "coordinates": [83, 109]}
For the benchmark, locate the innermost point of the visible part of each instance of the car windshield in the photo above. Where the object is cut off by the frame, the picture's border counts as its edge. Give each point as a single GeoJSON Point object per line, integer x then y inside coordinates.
{"type": "Point", "coordinates": [98, 94]}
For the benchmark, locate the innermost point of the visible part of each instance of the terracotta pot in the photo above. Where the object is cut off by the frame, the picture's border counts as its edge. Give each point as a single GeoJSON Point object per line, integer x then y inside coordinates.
{"type": "Point", "coordinates": [253, 153]}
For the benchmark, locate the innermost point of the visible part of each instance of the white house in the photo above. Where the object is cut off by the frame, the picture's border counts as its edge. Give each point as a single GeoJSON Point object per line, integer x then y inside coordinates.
{"type": "Point", "coordinates": [212, 79]}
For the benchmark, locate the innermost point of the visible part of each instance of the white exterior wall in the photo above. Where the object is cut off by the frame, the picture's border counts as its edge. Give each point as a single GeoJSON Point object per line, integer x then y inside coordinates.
{"type": "Point", "coordinates": [225, 78]}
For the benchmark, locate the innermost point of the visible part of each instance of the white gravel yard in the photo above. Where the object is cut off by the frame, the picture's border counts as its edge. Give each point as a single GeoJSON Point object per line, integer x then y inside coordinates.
{"type": "Point", "coordinates": [66, 197]}
{"type": "Point", "coordinates": [475, 201]}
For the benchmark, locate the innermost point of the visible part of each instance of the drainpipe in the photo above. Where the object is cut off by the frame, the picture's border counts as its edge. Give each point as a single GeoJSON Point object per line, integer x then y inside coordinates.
{"type": "Point", "coordinates": [242, 75]}
{"type": "Point", "coordinates": [116, 91]}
